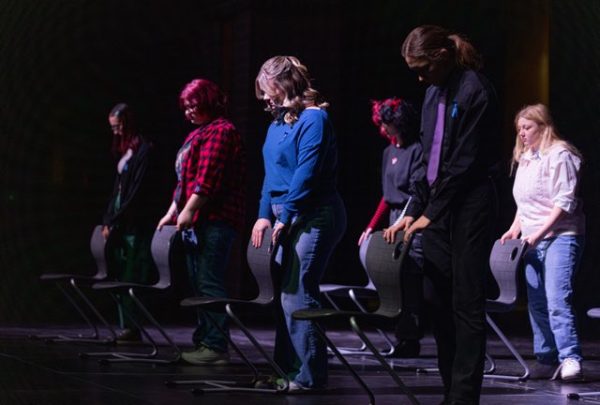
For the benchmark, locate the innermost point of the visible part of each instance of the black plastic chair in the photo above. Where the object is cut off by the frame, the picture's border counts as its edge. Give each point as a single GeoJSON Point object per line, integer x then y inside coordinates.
{"type": "Point", "coordinates": [262, 263]}
{"type": "Point", "coordinates": [74, 281]}
{"type": "Point", "coordinates": [162, 252]}
{"type": "Point", "coordinates": [356, 293]}
{"type": "Point", "coordinates": [593, 313]}
{"type": "Point", "coordinates": [384, 266]}
{"type": "Point", "coordinates": [505, 260]}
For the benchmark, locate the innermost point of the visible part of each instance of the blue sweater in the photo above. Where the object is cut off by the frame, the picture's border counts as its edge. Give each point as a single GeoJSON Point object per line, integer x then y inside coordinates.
{"type": "Point", "coordinates": [300, 165]}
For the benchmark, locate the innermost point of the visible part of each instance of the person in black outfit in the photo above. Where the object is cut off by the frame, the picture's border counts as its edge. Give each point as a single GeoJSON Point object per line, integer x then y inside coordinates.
{"type": "Point", "coordinates": [128, 218]}
{"type": "Point", "coordinates": [461, 148]}
{"type": "Point", "coordinates": [401, 169]}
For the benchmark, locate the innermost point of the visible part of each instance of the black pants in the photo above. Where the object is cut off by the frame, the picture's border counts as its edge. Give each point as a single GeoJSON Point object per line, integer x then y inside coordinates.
{"type": "Point", "coordinates": [456, 249]}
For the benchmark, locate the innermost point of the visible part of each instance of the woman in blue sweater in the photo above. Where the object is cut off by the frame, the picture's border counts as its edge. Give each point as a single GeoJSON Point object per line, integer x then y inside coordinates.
{"type": "Point", "coordinates": [300, 201]}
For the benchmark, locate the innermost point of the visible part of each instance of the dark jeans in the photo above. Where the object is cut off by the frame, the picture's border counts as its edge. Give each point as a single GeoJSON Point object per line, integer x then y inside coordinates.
{"type": "Point", "coordinates": [130, 260]}
{"type": "Point", "coordinates": [456, 248]}
{"type": "Point", "coordinates": [207, 250]}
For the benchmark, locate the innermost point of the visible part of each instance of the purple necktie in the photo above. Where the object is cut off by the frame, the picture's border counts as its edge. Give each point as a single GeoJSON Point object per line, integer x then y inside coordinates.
{"type": "Point", "coordinates": [436, 144]}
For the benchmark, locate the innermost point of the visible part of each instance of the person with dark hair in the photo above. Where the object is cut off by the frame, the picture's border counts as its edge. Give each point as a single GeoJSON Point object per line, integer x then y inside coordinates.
{"type": "Point", "coordinates": [299, 199]}
{"type": "Point", "coordinates": [551, 221]}
{"type": "Point", "coordinates": [401, 170]}
{"type": "Point", "coordinates": [127, 216]}
{"type": "Point", "coordinates": [460, 124]}
{"type": "Point", "coordinates": [208, 207]}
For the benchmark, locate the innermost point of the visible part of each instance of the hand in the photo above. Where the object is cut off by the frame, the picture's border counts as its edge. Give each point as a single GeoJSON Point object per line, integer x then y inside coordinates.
{"type": "Point", "coordinates": [389, 234]}
{"type": "Point", "coordinates": [510, 234]}
{"type": "Point", "coordinates": [421, 223]}
{"type": "Point", "coordinates": [278, 229]}
{"type": "Point", "coordinates": [184, 220]}
{"type": "Point", "coordinates": [166, 220]}
{"type": "Point", "coordinates": [258, 231]}
{"type": "Point", "coordinates": [533, 239]}
{"type": "Point", "coordinates": [105, 232]}
{"type": "Point", "coordinates": [364, 236]}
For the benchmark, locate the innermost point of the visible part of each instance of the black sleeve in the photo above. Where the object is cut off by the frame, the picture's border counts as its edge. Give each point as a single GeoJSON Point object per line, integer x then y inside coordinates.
{"type": "Point", "coordinates": [417, 187]}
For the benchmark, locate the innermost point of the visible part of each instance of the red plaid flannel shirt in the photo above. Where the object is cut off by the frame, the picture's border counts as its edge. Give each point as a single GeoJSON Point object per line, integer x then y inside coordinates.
{"type": "Point", "coordinates": [214, 166]}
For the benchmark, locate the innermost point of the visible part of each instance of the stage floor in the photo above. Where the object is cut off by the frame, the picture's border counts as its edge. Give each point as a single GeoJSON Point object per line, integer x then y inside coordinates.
{"type": "Point", "coordinates": [34, 372]}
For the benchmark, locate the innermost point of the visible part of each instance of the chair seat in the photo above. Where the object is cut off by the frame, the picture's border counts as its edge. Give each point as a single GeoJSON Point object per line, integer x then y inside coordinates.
{"type": "Point", "coordinates": [67, 276]}
{"type": "Point", "coordinates": [115, 285]}
{"type": "Point", "coordinates": [342, 290]}
{"type": "Point", "coordinates": [495, 306]}
{"type": "Point", "coordinates": [322, 313]}
{"type": "Point", "coordinates": [594, 313]}
{"type": "Point", "coordinates": [216, 303]}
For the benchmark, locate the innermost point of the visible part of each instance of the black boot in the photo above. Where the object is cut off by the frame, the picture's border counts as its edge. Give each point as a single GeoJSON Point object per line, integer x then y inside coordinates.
{"type": "Point", "coordinates": [407, 348]}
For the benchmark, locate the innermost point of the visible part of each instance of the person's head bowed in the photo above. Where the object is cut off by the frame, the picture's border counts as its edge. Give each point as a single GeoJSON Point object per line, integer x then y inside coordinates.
{"type": "Point", "coordinates": [536, 131]}
{"type": "Point", "coordinates": [123, 126]}
{"type": "Point", "coordinates": [433, 52]}
{"type": "Point", "coordinates": [284, 83]}
{"type": "Point", "coordinates": [202, 101]}
{"type": "Point", "coordinates": [397, 119]}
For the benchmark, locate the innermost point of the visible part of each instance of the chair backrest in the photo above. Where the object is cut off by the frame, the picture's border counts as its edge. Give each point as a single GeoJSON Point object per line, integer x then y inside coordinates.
{"type": "Point", "coordinates": [504, 264]}
{"type": "Point", "coordinates": [362, 255]}
{"type": "Point", "coordinates": [384, 263]}
{"type": "Point", "coordinates": [161, 249]}
{"type": "Point", "coordinates": [261, 262]}
{"type": "Point", "coordinates": [98, 249]}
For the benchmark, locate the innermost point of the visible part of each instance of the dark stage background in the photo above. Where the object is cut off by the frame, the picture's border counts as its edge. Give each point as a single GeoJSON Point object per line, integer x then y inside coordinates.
{"type": "Point", "coordinates": [64, 64]}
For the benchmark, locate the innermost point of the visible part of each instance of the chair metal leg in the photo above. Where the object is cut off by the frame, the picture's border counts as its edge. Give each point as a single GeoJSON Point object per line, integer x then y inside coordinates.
{"type": "Point", "coordinates": [384, 363]}
{"type": "Point", "coordinates": [514, 352]}
{"type": "Point", "coordinates": [227, 386]}
{"type": "Point", "coordinates": [343, 360]}
{"type": "Point", "coordinates": [122, 357]}
{"type": "Point", "coordinates": [344, 350]}
{"type": "Point", "coordinates": [392, 347]}
{"type": "Point", "coordinates": [491, 362]}
{"type": "Point", "coordinates": [95, 336]}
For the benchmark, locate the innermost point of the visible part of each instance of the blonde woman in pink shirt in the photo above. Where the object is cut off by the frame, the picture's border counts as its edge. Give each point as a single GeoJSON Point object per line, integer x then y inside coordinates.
{"type": "Point", "coordinates": [550, 220]}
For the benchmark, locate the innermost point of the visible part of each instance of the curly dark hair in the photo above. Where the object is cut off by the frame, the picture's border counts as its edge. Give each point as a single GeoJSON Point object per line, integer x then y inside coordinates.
{"type": "Point", "coordinates": [399, 113]}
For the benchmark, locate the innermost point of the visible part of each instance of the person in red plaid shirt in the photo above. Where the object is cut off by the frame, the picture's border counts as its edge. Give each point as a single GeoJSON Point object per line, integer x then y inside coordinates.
{"type": "Point", "coordinates": [208, 207]}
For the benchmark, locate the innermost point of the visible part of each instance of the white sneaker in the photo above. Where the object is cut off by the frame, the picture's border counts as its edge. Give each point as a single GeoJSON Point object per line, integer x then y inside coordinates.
{"type": "Point", "coordinates": [570, 370]}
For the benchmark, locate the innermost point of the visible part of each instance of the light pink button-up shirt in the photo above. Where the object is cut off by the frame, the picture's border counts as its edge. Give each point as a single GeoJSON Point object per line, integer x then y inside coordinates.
{"type": "Point", "coordinates": [544, 181]}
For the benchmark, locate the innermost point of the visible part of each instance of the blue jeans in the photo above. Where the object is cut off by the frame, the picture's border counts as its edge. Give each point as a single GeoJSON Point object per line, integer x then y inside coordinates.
{"type": "Point", "coordinates": [207, 250]}
{"type": "Point", "coordinates": [550, 268]}
{"type": "Point", "coordinates": [303, 257]}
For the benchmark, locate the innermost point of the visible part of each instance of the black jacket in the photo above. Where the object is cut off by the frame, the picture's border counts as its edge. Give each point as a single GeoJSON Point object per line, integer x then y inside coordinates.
{"type": "Point", "coordinates": [135, 181]}
{"type": "Point", "coordinates": [471, 147]}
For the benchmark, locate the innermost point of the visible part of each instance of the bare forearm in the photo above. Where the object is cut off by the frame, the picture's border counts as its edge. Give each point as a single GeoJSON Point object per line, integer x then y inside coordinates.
{"type": "Point", "coordinates": [195, 202]}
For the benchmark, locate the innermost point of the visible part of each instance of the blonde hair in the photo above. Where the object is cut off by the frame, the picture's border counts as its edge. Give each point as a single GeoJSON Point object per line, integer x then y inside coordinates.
{"type": "Point", "coordinates": [540, 114]}
{"type": "Point", "coordinates": [290, 76]}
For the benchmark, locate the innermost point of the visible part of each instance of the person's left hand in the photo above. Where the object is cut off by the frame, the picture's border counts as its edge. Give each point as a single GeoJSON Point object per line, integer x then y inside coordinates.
{"type": "Point", "coordinates": [278, 229]}
{"type": "Point", "coordinates": [184, 220]}
{"type": "Point", "coordinates": [533, 239]}
{"type": "Point", "coordinates": [421, 223]}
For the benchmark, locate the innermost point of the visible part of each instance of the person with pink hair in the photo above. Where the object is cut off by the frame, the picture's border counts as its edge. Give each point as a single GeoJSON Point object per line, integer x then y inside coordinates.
{"type": "Point", "coordinates": [208, 207]}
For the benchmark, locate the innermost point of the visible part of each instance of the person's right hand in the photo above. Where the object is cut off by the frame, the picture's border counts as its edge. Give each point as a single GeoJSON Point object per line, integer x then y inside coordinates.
{"type": "Point", "coordinates": [166, 220]}
{"type": "Point", "coordinates": [510, 234]}
{"type": "Point", "coordinates": [259, 230]}
{"type": "Point", "coordinates": [105, 232]}
{"type": "Point", "coordinates": [364, 236]}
